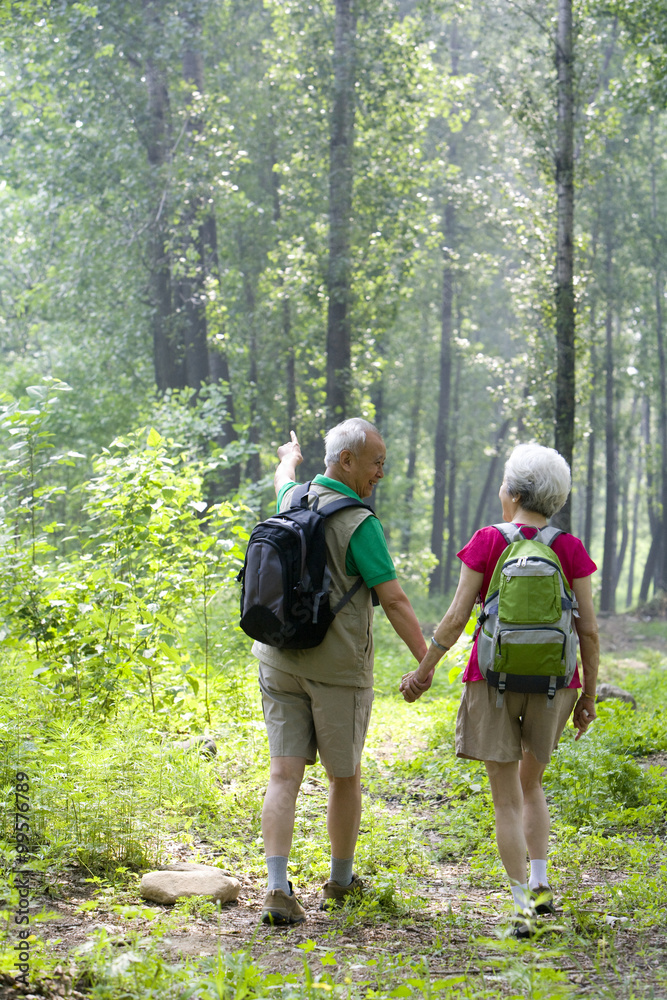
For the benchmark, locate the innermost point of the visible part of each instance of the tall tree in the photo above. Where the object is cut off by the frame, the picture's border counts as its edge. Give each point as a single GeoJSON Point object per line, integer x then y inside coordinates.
{"type": "Point", "coordinates": [440, 446]}
{"type": "Point", "coordinates": [197, 245]}
{"type": "Point", "coordinates": [339, 371]}
{"type": "Point", "coordinates": [167, 358]}
{"type": "Point", "coordinates": [657, 241]}
{"type": "Point", "coordinates": [565, 346]}
{"type": "Point", "coordinates": [609, 577]}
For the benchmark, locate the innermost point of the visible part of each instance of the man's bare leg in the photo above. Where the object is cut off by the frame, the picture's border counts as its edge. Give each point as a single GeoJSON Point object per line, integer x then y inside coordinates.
{"type": "Point", "coordinates": [285, 779]}
{"type": "Point", "coordinates": [343, 820]}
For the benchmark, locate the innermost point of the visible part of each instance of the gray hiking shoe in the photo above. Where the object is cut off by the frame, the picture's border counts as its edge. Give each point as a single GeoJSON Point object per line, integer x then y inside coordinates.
{"type": "Point", "coordinates": [335, 894]}
{"type": "Point", "coordinates": [521, 927]}
{"type": "Point", "coordinates": [543, 900]}
{"type": "Point", "coordinates": [280, 909]}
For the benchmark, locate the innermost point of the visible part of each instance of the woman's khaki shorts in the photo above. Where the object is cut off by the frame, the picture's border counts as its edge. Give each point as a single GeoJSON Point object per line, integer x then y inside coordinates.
{"type": "Point", "coordinates": [304, 718]}
{"type": "Point", "coordinates": [523, 722]}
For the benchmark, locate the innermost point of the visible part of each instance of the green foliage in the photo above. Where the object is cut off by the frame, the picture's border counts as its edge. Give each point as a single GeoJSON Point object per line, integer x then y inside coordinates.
{"type": "Point", "coordinates": [598, 784]}
{"type": "Point", "coordinates": [104, 793]}
{"type": "Point", "coordinates": [117, 617]}
{"type": "Point", "coordinates": [125, 602]}
{"type": "Point", "coordinates": [115, 794]}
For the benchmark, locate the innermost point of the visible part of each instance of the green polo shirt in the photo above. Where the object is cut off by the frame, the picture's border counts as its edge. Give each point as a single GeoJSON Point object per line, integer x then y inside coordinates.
{"type": "Point", "coordinates": [367, 554]}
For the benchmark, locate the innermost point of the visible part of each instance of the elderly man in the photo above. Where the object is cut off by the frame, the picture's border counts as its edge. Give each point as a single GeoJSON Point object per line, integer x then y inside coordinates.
{"type": "Point", "coordinates": [319, 700]}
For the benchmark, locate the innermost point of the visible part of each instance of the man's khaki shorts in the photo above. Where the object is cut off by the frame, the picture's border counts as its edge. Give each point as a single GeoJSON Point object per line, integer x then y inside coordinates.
{"type": "Point", "coordinates": [304, 718]}
{"type": "Point", "coordinates": [524, 722]}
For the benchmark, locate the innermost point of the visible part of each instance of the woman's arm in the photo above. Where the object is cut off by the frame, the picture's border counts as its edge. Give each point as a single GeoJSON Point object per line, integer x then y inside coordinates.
{"type": "Point", "coordinates": [589, 645]}
{"type": "Point", "coordinates": [455, 620]}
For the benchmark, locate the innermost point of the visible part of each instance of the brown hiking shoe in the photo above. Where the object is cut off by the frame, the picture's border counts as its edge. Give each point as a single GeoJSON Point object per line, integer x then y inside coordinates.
{"type": "Point", "coordinates": [279, 908]}
{"type": "Point", "coordinates": [335, 895]}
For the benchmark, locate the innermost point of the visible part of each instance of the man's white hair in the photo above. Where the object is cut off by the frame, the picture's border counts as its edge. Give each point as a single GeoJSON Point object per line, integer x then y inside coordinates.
{"type": "Point", "coordinates": [539, 477]}
{"type": "Point", "coordinates": [349, 435]}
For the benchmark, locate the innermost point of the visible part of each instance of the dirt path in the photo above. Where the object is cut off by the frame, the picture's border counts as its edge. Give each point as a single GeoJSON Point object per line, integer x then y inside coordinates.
{"type": "Point", "coordinates": [455, 914]}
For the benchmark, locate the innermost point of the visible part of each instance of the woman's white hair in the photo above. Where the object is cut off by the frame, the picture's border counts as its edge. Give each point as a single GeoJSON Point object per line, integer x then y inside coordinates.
{"type": "Point", "coordinates": [350, 435]}
{"type": "Point", "coordinates": [539, 477]}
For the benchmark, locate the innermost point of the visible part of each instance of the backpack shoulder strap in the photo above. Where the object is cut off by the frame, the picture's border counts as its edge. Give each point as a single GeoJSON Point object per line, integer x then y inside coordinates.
{"type": "Point", "coordinates": [510, 532]}
{"type": "Point", "coordinates": [336, 505]}
{"type": "Point", "coordinates": [513, 533]}
{"type": "Point", "coordinates": [300, 495]}
{"type": "Point", "coordinates": [548, 535]}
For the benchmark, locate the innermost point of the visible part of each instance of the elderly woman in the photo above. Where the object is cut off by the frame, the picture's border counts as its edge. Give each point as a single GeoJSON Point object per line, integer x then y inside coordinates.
{"type": "Point", "coordinates": [516, 734]}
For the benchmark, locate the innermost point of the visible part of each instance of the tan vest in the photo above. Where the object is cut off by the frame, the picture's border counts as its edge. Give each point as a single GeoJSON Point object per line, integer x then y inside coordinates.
{"type": "Point", "coordinates": [345, 657]}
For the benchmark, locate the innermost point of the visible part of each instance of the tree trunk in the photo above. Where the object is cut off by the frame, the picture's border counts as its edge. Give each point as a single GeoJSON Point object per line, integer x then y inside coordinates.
{"type": "Point", "coordinates": [649, 567]}
{"type": "Point", "coordinates": [565, 365]}
{"type": "Point", "coordinates": [635, 527]}
{"type": "Point", "coordinates": [167, 358]}
{"type": "Point", "coordinates": [659, 291]}
{"type": "Point", "coordinates": [451, 492]}
{"type": "Point", "coordinates": [286, 312]}
{"type": "Point", "coordinates": [491, 477]}
{"type": "Point", "coordinates": [625, 523]}
{"type": "Point", "coordinates": [444, 389]}
{"type": "Point", "coordinates": [377, 389]}
{"type": "Point", "coordinates": [196, 226]}
{"type": "Point", "coordinates": [290, 367]}
{"type": "Point", "coordinates": [653, 514]}
{"type": "Point", "coordinates": [339, 372]}
{"type": "Point", "coordinates": [654, 520]}
{"type": "Point", "coordinates": [253, 465]}
{"type": "Point", "coordinates": [589, 504]}
{"type": "Point", "coordinates": [608, 586]}
{"type": "Point", "coordinates": [440, 457]}
{"type": "Point", "coordinates": [413, 436]}
{"type": "Point", "coordinates": [625, 481]}
{"type": "Point", "coordinates": [590, 456]}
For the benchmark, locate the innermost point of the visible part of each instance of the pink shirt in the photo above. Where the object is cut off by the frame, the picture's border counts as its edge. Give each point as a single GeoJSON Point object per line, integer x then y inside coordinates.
{"type": "Point", "coordinates": [481, 555]}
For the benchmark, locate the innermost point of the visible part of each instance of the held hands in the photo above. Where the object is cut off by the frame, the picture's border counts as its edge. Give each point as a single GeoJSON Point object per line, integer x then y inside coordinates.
{"type": "Point", "coordinates": [584, 713]}
{"type": "Point", "coordinates": [412, 688]}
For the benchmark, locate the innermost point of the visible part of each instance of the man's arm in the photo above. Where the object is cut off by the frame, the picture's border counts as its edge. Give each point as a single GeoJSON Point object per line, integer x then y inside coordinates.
{"type": "Point", "coordinates": [398, 610]}
{"type": "Point", "coordinates": [290, 456]}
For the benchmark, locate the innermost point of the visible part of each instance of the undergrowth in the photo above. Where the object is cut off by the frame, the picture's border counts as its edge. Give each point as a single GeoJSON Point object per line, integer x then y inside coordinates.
{"type": "Point", "coordinates": [114, 797]}
{"type": "Point", "coordinates": [106, 678]}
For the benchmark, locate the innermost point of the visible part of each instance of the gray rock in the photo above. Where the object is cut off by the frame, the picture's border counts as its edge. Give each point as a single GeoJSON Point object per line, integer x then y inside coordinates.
{"type": "Point", "coordinates": [188, 866]}
{"type": "Point", "coordinates": [606, 691]}
{"type": "Point", "coordinates": [207, 746]}
{"type": "Point", "coordinates": [187, 878]}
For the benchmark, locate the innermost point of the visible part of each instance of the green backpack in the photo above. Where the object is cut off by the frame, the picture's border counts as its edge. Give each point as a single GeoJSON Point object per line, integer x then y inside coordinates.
{"type": "Point", "coordinates": [526, 639]}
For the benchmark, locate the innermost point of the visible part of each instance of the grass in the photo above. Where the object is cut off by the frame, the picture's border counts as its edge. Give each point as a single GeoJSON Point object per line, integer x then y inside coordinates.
{"type": "Point", "coordinates": [114, 799]}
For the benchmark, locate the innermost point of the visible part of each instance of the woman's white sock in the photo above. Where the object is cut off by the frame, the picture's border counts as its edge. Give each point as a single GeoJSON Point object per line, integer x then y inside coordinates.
{"type": "Point", "coordinates": [538, 874]}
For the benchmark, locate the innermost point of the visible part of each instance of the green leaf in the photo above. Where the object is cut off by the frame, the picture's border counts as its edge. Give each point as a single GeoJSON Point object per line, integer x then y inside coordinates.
{"type": "Point", "coordinates": [154, 440]}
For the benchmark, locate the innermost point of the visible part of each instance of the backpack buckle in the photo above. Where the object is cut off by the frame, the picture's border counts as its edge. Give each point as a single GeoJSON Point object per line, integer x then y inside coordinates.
{"type": "Point", "coordinates": [551, 692]}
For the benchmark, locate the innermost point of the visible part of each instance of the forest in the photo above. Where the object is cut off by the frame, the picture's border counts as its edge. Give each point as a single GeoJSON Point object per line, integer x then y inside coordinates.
{"type": "Point", "coordinates": [224, 220]}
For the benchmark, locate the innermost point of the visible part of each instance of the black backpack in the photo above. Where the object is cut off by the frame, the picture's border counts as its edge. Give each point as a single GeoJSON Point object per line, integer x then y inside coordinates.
{"type": "Point", "coordinates": [285, 578]}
